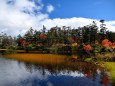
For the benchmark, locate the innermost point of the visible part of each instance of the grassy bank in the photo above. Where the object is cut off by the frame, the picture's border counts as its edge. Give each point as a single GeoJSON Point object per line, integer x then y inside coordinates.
{"type": "Point", "coordinates": [110, 66]}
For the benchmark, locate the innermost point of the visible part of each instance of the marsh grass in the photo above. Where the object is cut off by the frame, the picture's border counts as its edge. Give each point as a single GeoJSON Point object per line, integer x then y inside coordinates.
{"type": "Point", "coordinates": [38, 58]}
{"type": "Point", "coordinates": [110, 66]}
{"type": "Point", "coordinates": [51, 60]}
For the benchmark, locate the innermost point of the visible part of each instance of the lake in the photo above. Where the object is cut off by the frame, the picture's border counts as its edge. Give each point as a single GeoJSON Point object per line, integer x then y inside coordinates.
{"type": "Point", "coordinates": [18, 73]}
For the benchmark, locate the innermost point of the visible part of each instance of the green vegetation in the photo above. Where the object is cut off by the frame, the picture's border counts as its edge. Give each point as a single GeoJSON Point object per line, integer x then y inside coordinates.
{"type": "Point", "coordinates": [110, 66]}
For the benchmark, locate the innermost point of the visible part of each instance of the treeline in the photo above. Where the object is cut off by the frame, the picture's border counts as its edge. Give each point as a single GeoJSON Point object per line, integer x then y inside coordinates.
{"type": "Point", "coordinates": [60, 39]}
{"type": "Point", "coordinates": [56, 35]}
{"type": "Point", "coordinates": [7, 42]}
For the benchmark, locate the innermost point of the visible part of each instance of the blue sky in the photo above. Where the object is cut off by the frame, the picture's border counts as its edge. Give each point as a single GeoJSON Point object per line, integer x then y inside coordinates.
{"type": "Point", "coordinates": [95, 9]}
{"type": "Point", "coordinates": [17, 16]}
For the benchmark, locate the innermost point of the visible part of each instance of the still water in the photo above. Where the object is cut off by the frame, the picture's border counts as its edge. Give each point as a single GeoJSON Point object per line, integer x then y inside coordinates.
{"type": "Point", "coordinates": [16, 73]}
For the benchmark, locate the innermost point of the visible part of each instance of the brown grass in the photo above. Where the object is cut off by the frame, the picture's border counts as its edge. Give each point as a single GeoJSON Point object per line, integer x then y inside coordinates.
{"type": "Point", "coordinates": [38, 58]}
{"type": "Point", "coordinates": [49, 60]}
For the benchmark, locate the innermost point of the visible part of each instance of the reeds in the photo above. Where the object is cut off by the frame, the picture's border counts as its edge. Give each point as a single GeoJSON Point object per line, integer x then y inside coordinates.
{"type": "Point", "coordinates": [38, 58]}
{"type": "Point", "coordinates": [50, 60]}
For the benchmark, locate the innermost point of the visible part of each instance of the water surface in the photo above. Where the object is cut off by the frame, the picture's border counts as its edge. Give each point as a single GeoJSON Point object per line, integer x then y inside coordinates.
{"type": "Point", "coordinates": [16, 73]}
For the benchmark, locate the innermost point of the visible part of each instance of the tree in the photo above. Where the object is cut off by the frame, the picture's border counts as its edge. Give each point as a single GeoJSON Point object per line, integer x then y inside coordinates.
{"type": "Point", "coordinates": [102, 29]}
{"type": "Point", "coordinates": [93, 33]}
{"type": "Point", "coordinates": [110, 36]}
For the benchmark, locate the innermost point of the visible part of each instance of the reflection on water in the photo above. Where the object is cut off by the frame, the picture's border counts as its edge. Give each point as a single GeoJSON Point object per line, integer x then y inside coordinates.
{"type": "Point", "coordinates": [15, 73]}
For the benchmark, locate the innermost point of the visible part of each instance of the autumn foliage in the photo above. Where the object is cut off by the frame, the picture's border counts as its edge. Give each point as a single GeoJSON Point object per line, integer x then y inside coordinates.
{"type": "Point", "coordinates": [107, 43]}
{"type": "Point", "coordinates": [43, 36]}
{"type": "Point", "coordinates": [24, 42]}
{"type": "Point", "coordinates": [88, 47]}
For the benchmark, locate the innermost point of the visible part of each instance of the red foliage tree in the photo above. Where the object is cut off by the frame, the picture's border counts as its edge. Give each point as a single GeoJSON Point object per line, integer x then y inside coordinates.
{"type": "Point", "coordinates": [88, 47]}
{"type": "Point", "coordinates": [43, 36]}
{"type": "Point", "coordinates": [23, 42]}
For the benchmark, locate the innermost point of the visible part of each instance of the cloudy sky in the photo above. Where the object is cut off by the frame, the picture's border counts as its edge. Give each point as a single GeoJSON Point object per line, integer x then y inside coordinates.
{"type": "Point", "coordinates": [17, 16]}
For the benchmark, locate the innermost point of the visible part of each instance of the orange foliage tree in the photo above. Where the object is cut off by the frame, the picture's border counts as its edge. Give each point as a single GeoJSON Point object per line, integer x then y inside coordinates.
{"type": "Point", "coordinates": [88, 47]}
{"type": "Point", "coordinates": [107, 43]}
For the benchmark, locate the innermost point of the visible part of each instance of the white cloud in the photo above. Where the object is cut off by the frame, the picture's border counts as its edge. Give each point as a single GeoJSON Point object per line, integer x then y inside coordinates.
{"type": "Point", "coordinates": [110, 25]}
{"type": "Point", "coordinates": [50, 8]}
{"type": "Point", "coordinates": [14, 21]}
{"type": "Point", "coordinates": [75, 22]}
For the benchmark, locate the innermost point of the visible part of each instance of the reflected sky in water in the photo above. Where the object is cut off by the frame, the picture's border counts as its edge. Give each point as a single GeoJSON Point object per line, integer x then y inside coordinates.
{"type": "Point", "coordinates": [15, 73]}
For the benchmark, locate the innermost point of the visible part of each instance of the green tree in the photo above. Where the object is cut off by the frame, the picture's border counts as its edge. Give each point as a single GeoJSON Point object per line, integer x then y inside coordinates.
{"type": "Point", "coordinates": [103, 29]}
